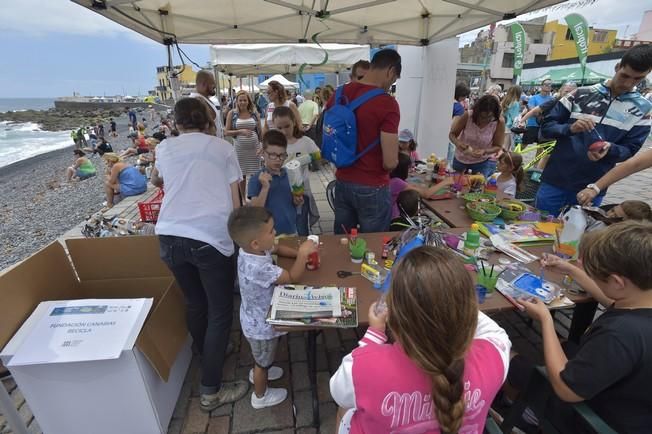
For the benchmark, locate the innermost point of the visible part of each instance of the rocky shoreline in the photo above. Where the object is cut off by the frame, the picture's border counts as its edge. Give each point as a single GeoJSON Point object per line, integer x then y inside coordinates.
{"type": "Point", "coordinates": [37, 205]}
{"type": "Point", "coordinates": [61, 120]}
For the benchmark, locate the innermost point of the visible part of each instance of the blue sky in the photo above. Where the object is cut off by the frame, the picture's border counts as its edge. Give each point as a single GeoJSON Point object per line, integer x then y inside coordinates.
{"type": "Point", "coordinates": [54, 47]}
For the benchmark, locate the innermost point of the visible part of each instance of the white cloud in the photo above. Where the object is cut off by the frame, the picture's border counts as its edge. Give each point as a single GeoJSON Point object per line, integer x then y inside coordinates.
{"type": "Point", "coordinates": [622, 15]}
{"type": "Point", "coordinates": [44, 17]}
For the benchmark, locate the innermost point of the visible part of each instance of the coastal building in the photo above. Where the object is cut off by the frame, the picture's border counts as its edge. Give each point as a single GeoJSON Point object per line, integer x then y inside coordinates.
{"type": "Point", "coordinates": [494, 50]}
{"type": "Point", "coordinates": [562, 45]}
{"type": "Point", "coordinates": [185, 75]}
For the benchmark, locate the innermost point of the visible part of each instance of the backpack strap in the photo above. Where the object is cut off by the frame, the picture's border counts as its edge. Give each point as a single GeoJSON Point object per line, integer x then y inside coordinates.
{"type": "Point", "coordinates": [339, 96]}
{"type": "Point", "coordinates": [364, 98]}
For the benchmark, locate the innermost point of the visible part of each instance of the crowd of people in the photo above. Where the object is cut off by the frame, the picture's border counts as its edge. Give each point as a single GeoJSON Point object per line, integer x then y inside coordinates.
{"type": "Point", "coordinates": [225, 204]}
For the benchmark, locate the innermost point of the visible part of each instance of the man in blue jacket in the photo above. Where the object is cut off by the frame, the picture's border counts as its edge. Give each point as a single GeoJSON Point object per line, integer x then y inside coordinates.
{"type": "Point", "coordinates": [612, 113]}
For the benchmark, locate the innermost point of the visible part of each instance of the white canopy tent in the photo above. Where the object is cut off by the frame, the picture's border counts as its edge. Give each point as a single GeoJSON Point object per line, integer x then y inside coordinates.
{"type": "Point", "coordinates": [278, 77]}
{"type": "Point", "coordinates": [254, 59]}
{"type": "Point", "coordinates": [405, 22]}
{"type": "Point", "coordinates": [428, 79]}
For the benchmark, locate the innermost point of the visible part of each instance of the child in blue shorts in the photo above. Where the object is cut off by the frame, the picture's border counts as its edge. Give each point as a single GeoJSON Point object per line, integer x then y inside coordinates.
{"type": "Point", "coordinates": [270, 188]}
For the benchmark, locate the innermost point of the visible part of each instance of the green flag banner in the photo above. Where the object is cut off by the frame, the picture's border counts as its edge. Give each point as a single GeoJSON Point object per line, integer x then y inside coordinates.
{"type": "Point", "coordinates": [579, 28]}
{"type": "Point", "coordinates": [518, 35]}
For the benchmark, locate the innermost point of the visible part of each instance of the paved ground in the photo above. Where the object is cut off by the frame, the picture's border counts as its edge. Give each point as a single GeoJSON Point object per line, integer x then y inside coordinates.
{"type": "Point", "coordinates": [295, 414]}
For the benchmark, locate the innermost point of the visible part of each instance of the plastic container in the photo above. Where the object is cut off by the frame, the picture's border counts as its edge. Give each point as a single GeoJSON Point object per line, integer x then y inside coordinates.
{"type": "Point", "coordinates": [385, 252]}
{"type": "Point", "coordinates": [472, 240]}
{"type": "Point", "coordinates": [483, 212]}
{"type": "Point", "coordinates": [150, 208]}
{"type": "Point", "coordinates": [313, 259]}
{"type": "Point", "coordinates": [568, 238]}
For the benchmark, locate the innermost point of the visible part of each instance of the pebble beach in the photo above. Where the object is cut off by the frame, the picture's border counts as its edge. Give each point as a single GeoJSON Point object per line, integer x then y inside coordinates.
{"type": "Point", "coordinates": [37, 205]}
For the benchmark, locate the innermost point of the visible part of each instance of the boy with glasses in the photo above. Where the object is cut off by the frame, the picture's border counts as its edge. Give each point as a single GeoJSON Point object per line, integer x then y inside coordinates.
{"type": "Point", "coordinates": [270, 188]}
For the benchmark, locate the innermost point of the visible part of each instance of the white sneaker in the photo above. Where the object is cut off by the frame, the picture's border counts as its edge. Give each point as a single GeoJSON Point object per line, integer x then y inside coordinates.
{"type": "Point", "coordinates": [272, 397]}
{"type": "Point", "coordinates": [273, 373]}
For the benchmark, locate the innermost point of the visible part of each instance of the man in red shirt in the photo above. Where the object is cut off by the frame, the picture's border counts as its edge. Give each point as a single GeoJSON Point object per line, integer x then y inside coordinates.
{"type": "Point", "coordinates": [362, 190]}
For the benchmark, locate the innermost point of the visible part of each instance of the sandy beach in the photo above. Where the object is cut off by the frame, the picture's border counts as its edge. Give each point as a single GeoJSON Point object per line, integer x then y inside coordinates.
{"type": "Point", "coordinates": [37, 205]}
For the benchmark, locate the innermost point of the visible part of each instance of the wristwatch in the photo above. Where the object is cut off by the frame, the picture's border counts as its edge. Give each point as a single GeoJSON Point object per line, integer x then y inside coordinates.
{"type": "Point", "coordinates": [594, 188]}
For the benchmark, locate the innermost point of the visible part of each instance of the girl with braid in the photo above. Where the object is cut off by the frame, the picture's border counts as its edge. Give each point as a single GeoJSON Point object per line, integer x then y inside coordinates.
{"type": "Point", "coordinates": [445, 365]}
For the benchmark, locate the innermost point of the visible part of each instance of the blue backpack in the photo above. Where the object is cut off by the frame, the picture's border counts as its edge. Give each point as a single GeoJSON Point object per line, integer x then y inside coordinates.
{"type": "Point", "coordinates": [340, 136]}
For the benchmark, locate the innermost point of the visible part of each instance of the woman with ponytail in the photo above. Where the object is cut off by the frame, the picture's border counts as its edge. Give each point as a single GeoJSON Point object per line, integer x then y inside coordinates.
{"type": "Point", "coordinates": [445, 366]}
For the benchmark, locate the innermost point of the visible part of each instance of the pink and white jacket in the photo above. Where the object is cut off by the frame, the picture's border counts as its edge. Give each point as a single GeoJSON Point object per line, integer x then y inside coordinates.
{"type": "Point", "coordinates": [391, 394]}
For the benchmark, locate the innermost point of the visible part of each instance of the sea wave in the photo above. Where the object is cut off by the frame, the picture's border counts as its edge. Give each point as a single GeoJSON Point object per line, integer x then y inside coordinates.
{"type": "Point", "coordinates": [19, 141]}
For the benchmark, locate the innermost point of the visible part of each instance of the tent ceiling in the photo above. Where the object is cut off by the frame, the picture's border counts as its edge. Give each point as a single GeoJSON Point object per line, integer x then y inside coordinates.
{"type": "Point", "coordinates": [253, 59]}
{"type": "Point", "coordinates": [408, 22]}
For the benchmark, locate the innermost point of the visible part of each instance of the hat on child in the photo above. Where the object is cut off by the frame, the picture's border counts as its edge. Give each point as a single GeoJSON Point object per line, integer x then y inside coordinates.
{"type": "Point", "coordinates": [405, 136]}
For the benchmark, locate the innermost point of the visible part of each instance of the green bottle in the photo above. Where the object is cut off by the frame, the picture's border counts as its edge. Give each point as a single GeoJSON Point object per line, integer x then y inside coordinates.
{"type": "Point", "coordinates": [472, 241]}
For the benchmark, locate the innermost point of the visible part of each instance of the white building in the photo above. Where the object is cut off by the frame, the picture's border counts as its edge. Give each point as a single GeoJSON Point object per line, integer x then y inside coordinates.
{"type": "Point", "coordinates": [502, 58]}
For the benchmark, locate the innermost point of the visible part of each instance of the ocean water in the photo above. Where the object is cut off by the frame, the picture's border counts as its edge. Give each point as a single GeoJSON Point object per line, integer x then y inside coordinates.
{"type": "Point", "coordinates": [16, 104]}
{"type": "Point", "coordinates": [19, 141]}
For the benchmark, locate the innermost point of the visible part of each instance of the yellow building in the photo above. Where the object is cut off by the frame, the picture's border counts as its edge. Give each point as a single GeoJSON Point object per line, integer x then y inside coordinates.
{"type": "Point", "coordinates": [163, 89]}
{"type": "Point", "coordinates": [562, 45]}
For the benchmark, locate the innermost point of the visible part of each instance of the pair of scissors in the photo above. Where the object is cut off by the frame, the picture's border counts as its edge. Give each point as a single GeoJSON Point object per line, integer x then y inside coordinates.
{"type": "Point", "coordinates": [342, 274]}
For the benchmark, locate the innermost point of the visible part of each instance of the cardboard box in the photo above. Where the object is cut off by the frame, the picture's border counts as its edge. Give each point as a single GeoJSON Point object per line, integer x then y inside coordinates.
{"type": "Point", "coordinates": [135, 393]}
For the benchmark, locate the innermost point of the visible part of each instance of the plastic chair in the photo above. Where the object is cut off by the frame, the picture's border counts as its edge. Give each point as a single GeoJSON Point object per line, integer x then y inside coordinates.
{"type": "Point", "coordinates": [536, 396]}
{"type": "Point", "coordinates": [531, 185]}
{"type": "Point", "coordinates": [330, 194]}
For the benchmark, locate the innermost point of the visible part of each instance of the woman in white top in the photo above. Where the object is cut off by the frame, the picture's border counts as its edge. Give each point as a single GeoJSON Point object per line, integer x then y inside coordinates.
{"type": "Point", "coordinates": [201, 176]}
{"type": "Point", "coordinates": [242, 123]}
{"type": "Point", "coordinates": [277, 98]}
{"type": "Point", "coordinates": [299, 145]}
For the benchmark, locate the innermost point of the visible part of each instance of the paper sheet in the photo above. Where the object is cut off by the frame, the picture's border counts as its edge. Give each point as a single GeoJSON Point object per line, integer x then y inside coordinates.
{"type": "Point", "coordinates": [83, 330]}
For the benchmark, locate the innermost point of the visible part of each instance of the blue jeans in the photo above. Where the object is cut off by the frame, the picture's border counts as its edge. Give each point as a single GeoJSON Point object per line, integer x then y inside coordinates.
{"type": "Point", "coordinates": [356, 204]}
{"type": "Point", "coordinates": [303, 219]}
{"type": "Point", "coordinates": [486, 168]}
{"type": "Point", "coordinates": [553, 199]}
{"type": "Point", "coordinates": [206, 278]}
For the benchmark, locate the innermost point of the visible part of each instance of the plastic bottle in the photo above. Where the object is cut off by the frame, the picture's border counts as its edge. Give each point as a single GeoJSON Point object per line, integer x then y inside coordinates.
{"type": "Point", "coordinates": [385, 252]}
{"type": "Point", "coordinates": [472, 240]}
{"type": "Point", "coordinates": [353, 236]}
{"type": "Point", "coordinates": [574, 222]}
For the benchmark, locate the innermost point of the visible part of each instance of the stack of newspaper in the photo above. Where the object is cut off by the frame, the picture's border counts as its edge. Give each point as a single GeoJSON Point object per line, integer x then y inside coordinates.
{"type": "Point", "coordinates": [315, 306]}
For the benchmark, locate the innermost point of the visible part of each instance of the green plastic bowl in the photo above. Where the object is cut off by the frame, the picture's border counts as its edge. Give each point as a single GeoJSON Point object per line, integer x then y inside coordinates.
{"type": "Point", "coordinates": [506, 206]}
{"type": "Point", "coordinates": [479, 197]}
{"type": "Point", "coordinates": [483, 211]}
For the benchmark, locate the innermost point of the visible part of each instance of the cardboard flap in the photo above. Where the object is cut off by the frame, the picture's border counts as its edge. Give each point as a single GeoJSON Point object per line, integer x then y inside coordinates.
{"type": "Point", "coordinates": [46, 275]}
{"type": "Point", "coordinates": [117, 258]}
{"type": "Point", "coordinates": [164, 332]}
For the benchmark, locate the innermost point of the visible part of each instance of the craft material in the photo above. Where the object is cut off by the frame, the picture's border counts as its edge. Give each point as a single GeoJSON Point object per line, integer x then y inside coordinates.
{"type": "Point", "coordinates": [313, 259]}
{"type": "Point", "coordinates": [374, 273]}
{"type": "Point", "coordinates": [568, 238]}
{"type": "Point", "coordinates": [512, 249]}
{"type": "Point", "coordinates": [344, 241]}
{"type": "Point", "coordinates": [472, 240]}
{"type": "Point", "coordinates": [357, 247]}
{"type": "Point", "coordinates": [482, 211]}
{"type": "Point", "coordinates": [385, 252]}
{"type": "Point", "coordinates": [519, 283]}
{"type": "Point", "coordinates": [353, 235]}
{"type": "Point", "coordinates": [481, 291]}
{"type": "Point", "coordinates": [295, 177]}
